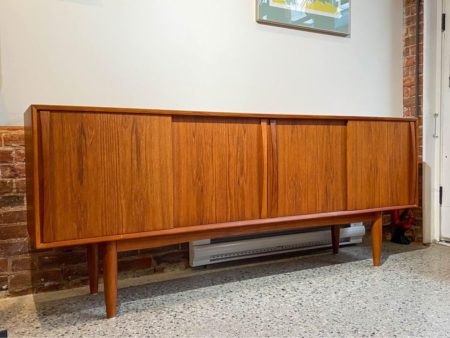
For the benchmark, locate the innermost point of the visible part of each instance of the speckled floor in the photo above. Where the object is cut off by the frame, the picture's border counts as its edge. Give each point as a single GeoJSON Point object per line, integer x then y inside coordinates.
{"type": "Point", "coordinates": [310, 296]}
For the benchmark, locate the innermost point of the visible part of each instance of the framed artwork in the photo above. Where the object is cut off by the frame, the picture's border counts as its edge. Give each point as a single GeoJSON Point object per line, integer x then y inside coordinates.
{"type": "Point", "coordinates": [326, 16]}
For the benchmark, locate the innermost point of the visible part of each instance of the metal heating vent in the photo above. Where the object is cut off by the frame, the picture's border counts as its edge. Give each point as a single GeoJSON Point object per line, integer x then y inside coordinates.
{"type": "Point", "coordinates": [233, 248]}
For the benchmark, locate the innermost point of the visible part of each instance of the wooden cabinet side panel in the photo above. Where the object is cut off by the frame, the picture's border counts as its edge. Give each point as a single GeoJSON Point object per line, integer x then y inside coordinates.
{"type": "Point", "coordinates": [105, 174]}
{"type": "Point", "coordinates": [380, 157]}
{"type": "Point", "coordinates": [310, 167]}
{"type": "Point", "coordinates": [218, 170]}
{"type": "Point", "coordinates": [32, 172]}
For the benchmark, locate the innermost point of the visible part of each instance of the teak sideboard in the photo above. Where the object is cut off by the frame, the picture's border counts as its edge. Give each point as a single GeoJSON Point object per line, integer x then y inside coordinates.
{"type": "Point", "coordinates": [124, 179]}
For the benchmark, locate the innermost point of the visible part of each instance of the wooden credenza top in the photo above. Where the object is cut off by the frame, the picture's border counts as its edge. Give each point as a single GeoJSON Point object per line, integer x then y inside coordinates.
{"type": "Point", "coordinates": [115, 110]}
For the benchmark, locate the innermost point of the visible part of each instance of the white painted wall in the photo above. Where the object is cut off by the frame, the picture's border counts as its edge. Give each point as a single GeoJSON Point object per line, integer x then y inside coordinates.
{"type": "Point", "coordinates": [200, 54]}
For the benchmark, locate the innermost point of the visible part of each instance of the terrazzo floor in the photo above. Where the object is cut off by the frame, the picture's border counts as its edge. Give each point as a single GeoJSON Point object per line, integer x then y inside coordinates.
{"type": "Point", "coordinates": [314, 295]}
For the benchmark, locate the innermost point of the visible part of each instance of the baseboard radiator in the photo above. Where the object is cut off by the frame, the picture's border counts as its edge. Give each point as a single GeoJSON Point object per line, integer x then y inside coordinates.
{"type": "Point", "coordinates": [211, 251]}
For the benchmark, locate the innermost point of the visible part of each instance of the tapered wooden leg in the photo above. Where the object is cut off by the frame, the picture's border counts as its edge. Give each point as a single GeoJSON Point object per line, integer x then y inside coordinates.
{"type": "Point", "coordinates": [335, 237]}
{"type": "Point", "coordinates": [110, 278]}
{"type": "Point", "coordinates": [377, 237]}
{"type": "Point", "coordinates": [92, 259]}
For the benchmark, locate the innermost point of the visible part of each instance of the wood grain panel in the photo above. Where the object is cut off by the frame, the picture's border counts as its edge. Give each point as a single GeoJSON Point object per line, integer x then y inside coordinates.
{"type": "Point", "coordinates": [147, 180]}
{"type": "Point", "coordinates": [105, 174]}
{"type": "Point", "coordinates": [218, 170]}
{"type": "Point", "coordinates": [309, 162]}
{"type": "Point", "coordinates": [380, 170]}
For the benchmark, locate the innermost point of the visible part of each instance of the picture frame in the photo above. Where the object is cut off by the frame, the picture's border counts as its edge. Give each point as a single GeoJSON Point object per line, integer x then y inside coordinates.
{"type": "Point", "coordinates": [323, 16]}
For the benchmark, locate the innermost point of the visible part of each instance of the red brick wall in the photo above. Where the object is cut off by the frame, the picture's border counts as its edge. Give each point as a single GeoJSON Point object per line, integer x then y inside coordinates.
{"type": "Point", "coordinates": [409, 84]}
{"type": "Point", "coordinates": [23, 270]}
{"type": "Point", "coordinates": [13, 231]}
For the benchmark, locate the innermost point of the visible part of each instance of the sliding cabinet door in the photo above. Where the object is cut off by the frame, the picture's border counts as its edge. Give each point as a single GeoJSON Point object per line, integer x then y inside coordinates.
{"type": "Point", "coordinates": [382, 164]}
{"type": "Point", "coordinates": [219, 170]}
{"type": "Point", "coordinates": [105, 174]}
{"type": "Point", "coordinates": [307, 164]}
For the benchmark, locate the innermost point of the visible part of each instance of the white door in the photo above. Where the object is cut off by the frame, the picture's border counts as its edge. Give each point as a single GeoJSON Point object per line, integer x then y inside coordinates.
{"type": "Point", "coordinates": [445, 127]}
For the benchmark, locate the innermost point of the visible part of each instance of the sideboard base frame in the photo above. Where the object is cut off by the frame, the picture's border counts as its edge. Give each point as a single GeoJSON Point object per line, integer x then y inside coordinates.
{"type": "Point", "coordinates": [110, 249]}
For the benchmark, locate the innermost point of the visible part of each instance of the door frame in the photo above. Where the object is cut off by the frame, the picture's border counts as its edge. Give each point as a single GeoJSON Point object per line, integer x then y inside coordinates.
{"type": "Point", "coordinates": [432, 129]}
{"type": "Point", "coordinates": [443, 78]}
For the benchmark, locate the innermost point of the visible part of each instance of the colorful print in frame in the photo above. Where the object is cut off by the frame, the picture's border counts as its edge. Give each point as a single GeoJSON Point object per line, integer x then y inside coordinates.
{"type": "Point", "coordinates": [327, 16]}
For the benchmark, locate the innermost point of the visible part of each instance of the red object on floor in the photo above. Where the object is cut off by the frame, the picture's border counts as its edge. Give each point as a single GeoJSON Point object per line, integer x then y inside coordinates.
{"type": "Point", "coordinates": [404, 221]}
{"type": "Point", "coordinates": [400, 224]}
